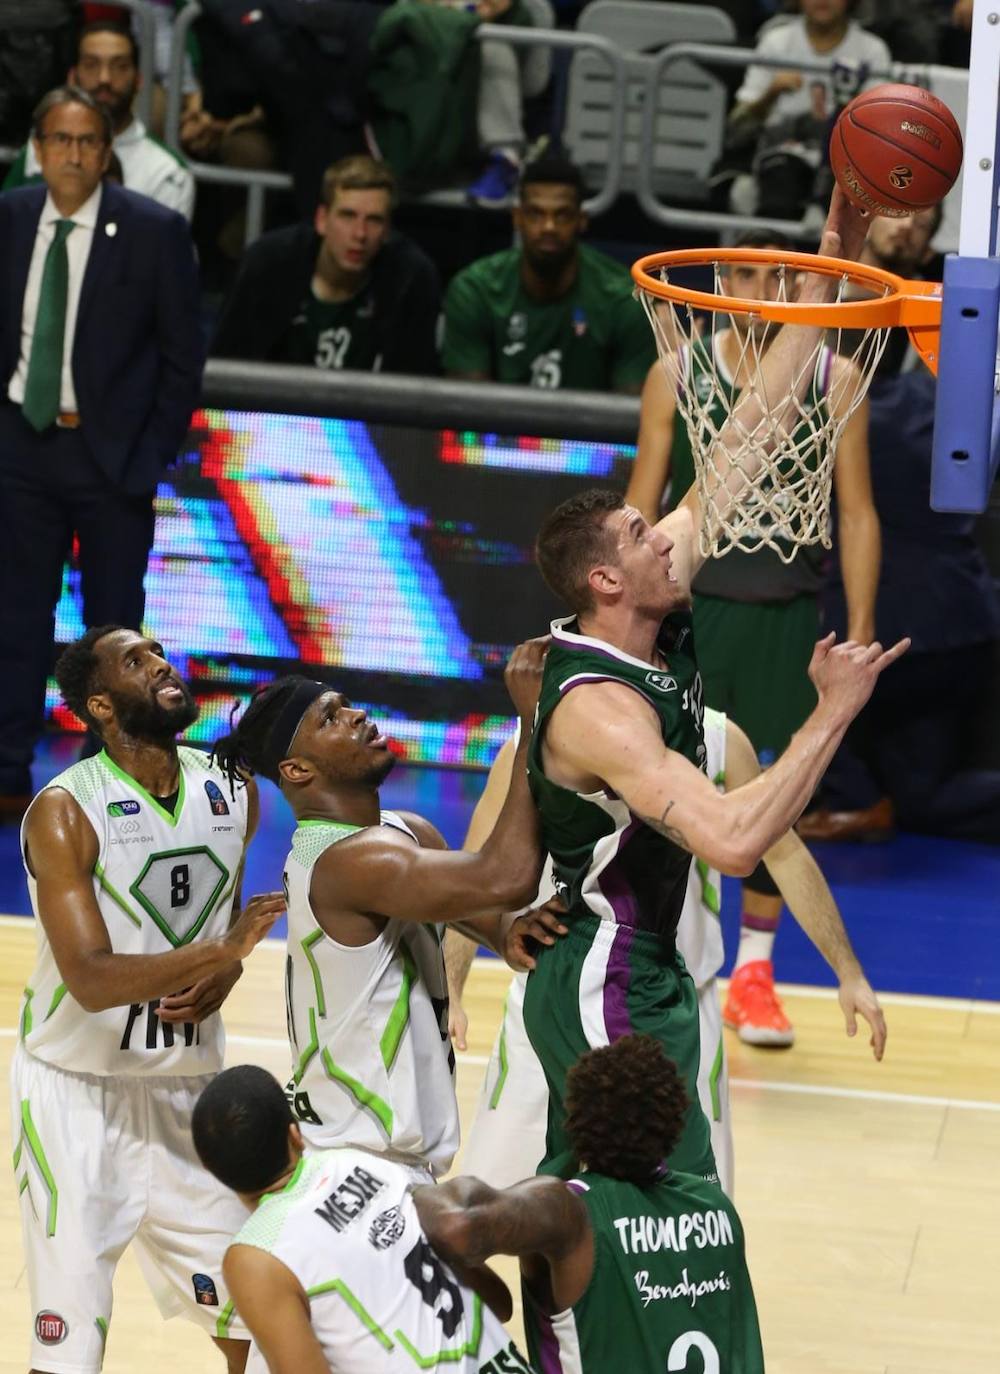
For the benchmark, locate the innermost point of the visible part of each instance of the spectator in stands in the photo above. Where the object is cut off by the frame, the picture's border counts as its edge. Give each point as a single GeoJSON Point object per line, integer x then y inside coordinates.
{"type": "Point", "coordinates": [910, 29]}
{"type": "Point", "coordinates": [787, 114]}
{"type": "Point", "coordinates": [357, 296]}
{"type": "Point", "coordinates": [100, 369]}
{"type": "Point", "coordinates": [37, 43]}
{"type": "Point", "coordinates": [553, 312]}
{"type": "Point", "coordinates": [907, 757]}
{"type": "Point", "coordinates": [107, 68]}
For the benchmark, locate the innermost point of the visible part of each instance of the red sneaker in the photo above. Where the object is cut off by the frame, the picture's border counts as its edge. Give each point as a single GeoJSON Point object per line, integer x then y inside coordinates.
{"type": "Point", "coordinates": [753, 1008]}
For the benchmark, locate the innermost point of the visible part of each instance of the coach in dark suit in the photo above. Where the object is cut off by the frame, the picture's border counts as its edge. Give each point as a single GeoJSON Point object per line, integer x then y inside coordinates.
{"type": "Point", "coordinates": [100, 368]}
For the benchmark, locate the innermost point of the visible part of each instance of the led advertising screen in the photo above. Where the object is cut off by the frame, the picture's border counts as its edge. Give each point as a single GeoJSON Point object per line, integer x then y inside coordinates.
{"type": "Point", "coordinates": [395, 563]}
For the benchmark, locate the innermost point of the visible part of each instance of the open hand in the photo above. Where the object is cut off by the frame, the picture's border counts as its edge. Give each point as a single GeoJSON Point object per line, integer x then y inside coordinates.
{"type": "Point", "coordinates": [857, 998]}
{"type": "Point", "coordinates": [844, 675]}
{"type": "Point", "coordinates": [255, 920]}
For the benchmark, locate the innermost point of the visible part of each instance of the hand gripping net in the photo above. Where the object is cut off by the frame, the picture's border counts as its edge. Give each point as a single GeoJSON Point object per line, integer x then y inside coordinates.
{"type": "Point", "coordinates": [763, 462]}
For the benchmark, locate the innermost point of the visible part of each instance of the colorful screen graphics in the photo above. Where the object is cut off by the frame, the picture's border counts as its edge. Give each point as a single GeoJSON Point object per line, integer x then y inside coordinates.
{"type": "Point", "coordinates": [393, 562]}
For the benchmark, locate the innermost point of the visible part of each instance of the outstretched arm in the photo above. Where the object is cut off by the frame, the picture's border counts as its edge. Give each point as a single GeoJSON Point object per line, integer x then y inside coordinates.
{"type": "Point", "coordinates": [467, 1220]}
{"type": "Point", "coordinates": [772, 403]}
{"type": "Point", "coordinates": [859, 534]}
{"type": "Point", "coordinates": [651, 470]}
{"type": "Point", "coordinates": [605, 733]}
{"type": "Point", "coordinates": [809, 899]}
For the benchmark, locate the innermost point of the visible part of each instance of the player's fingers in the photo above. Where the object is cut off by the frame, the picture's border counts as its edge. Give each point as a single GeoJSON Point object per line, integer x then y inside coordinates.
{"type": "Point", "coordinates": [850, 1021]}
{"type": "Point", "coordinates": [551, 921]}
{"type": "Point", "coordinates": [890, 655]}
{"type": "Point", "coordinates": [879, 1034]}
{"type": "Point", "coordinates": [873, 652]}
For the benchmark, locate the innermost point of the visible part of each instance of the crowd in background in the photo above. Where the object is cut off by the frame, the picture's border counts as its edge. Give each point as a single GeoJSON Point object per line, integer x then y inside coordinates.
{"type": "Point", "coordinates": [361, 102]}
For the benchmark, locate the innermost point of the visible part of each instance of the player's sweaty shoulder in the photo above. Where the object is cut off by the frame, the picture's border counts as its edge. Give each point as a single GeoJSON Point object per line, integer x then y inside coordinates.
{"type": "Point", "coordinates": [57, 832]}
{"type": "Point", "coordinates": [594, 730]}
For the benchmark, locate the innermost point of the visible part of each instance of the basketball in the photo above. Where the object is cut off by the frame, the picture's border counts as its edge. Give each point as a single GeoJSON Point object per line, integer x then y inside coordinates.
{"type": "Point", "coordinates": [896, 149]}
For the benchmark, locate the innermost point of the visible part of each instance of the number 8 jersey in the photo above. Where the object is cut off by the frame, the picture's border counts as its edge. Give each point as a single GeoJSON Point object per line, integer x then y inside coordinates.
{"type": "Point", "coordinates": [160, 881]}
{"type": "Point", "coordinates": [380, 1299]}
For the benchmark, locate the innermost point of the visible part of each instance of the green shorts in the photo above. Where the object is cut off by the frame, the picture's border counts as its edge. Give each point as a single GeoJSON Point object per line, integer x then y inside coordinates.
{"type": "Point", "coordinates": [754, 662]}
{"type": "Point", "coordinates": [600, 982]}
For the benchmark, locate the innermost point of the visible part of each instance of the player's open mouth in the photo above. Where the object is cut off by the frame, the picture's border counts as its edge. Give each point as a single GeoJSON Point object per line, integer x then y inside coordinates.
{"type": "Point", "coordinates": [171, 691]}
{"type": "Point", "coordinates": [376, 740]}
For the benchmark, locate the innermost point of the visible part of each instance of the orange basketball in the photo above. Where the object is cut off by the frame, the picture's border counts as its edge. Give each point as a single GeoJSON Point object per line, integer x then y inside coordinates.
{"type": "Point", "coordinates": [896, 149]}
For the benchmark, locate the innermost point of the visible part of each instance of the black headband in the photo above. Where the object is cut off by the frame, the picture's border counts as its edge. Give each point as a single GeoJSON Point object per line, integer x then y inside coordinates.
{"type": "Point", "coordinates": [282, 732]}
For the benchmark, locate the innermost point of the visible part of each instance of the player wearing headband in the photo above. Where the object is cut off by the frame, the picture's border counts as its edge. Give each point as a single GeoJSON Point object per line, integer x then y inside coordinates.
{"type": "Point", "coordinates": [365, 985]}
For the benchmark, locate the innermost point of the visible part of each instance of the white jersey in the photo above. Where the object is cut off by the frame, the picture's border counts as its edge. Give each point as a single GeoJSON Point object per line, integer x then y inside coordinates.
{"type": "Point", "coordinates": [160, 881]}
{"type": "Point", "coordinates": [380, 1299]}
{"type": "Point", "coordinates": [368, 1024]}
{"type": "Point", "coordinates": [699, 931]}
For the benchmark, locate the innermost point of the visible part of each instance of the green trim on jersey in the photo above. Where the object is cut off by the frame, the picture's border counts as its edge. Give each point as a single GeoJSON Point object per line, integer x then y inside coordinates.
{"type": "Point", "coordinates": [102, 1325]}
{"type": "Point", "coordinates": [211, 902]}
{"type": "Point", "coordinates": [224, 1321]}
{"type": "Point", "coordinates": [498, 1086]}
{"type": "Point", "coordinates": [714, 1075]}
{"type": "Point", "coordinates": [711, 898]}
{"type": "Point", "coordinates": [399, 1017]}
{"type": "Point", "coordinates": [115, 895]}
{"type": "Point", "coordinates": [370, 1101]}
{"type": "Point", "coordinates": [307, 943]}
{"type": "Point", "coordinates": [26, 1017]}
{"type": "Point", "coordinates": [357, 1307]}
{"type": "Point", "coordinates": [306, 1057]}
{"type": "Point", "coordinates": [171, 817]}
{"type": "Point", "coordinates": [450, 1356]}
{"type": "Point", "coordinates": [29, 1137]}
{"type": "Point", "coordinates": [57, 997]}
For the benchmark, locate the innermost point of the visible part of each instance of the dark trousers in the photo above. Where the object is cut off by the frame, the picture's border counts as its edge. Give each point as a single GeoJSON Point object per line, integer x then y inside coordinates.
{"type": "Point", "coordinates": [911, 743]}
{"type": "Point", "coordinates": [51, 490]}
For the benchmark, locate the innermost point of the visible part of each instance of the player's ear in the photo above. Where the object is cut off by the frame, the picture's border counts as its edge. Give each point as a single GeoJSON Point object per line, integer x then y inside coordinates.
{"type": "Point", "coordinates": [319, 219]}
{"type": "Point", "coordinates": [100, 711]}
{"type": "Point", "coordinates": [296, 771]}
{"type": "Point", "coordinates": [604, 580]}
{"type": "Point", "coordinates": [296, 1144]}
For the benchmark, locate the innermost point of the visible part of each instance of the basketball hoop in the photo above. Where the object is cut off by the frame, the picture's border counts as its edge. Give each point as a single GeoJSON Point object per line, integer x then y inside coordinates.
{"type": "Point", "coordinates": [712, 345]}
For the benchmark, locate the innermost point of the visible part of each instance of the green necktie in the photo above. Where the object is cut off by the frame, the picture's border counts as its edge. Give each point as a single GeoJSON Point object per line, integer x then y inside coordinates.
{"type": "Point", "coordinates": [42, 388]}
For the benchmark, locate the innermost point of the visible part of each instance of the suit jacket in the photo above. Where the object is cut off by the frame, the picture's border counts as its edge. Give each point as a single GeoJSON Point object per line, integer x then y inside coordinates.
{"type": "Point", "coordinates": [137, 351]}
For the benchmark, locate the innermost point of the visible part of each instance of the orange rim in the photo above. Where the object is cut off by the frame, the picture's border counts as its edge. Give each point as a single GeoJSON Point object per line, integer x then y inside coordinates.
{"type": "Point", "coordinates": [914, 305]}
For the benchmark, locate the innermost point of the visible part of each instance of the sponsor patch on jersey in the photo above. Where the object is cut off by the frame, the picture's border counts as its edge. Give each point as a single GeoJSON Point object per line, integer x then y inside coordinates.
{"type": "Point", "coordinates": [123, 808]}
{"type": "Point", "coordinates": [218, 803]}
{"type": "Point", "coordinates": [579, 322]}
{"type": "Point", "coordinates": [204, 1290]}
{"type": "Point", "coordinates": [663, 682]}
{"type": "Point", "coordinates": [386, 1229]}
{"type": "Point", "coordinates": [50, 1328]}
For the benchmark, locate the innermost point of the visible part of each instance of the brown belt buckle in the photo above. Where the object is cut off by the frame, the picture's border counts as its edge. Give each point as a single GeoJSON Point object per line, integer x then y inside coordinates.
{"type": "Point", "coordinates": [68, 419]}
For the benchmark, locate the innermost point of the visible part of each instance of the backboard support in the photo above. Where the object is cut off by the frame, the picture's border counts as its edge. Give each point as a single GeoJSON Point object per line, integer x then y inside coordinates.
{"type": "Point", "coordinates": [967, 417]}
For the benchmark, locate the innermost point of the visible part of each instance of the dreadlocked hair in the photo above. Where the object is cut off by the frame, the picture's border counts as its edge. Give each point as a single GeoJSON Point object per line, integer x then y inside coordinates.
{"type": "Point", "coordinates": [244, 749]}
{"type": "Point", "coordinates": [625, 1108]}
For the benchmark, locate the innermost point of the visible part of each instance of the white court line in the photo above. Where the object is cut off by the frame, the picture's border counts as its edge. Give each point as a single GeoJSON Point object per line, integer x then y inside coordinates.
{"type": "Point", "coordinates": [270, 1042]}
{"type": "Point", "coordinates": [496, 966]}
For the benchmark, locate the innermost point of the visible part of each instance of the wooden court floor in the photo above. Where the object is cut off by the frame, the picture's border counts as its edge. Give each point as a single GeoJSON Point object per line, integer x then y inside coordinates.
{"type": "Point", "coordinates": [870, 1193]}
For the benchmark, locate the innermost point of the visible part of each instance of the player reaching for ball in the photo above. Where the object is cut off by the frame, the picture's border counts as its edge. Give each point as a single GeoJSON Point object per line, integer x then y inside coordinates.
{"type": "Point", "coordinates": [616, 758]}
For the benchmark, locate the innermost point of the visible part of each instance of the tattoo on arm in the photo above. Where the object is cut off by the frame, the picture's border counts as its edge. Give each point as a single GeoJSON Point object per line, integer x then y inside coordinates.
{"type": "Point", "coordinates": [669, 832]}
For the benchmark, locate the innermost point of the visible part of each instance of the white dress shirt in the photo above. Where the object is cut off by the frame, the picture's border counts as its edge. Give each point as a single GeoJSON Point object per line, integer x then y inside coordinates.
{"type": "Point", "coordinates": [78, 245]}
{"type": "Point", "coordinates": [149, 167]}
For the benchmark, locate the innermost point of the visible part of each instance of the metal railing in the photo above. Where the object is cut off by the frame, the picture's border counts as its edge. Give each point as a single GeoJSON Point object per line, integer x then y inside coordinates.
{"type": "Point", "coordinates": [712, 55]}
{"type": "Point", "coordinates": [423, 402]}
{"type": "Point", "coordinates": [258, 181]}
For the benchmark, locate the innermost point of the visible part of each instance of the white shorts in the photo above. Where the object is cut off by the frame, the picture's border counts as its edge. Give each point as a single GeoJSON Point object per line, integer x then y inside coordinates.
{"type": "Point", "coordinates": [507, 1139]}
{"type": "Point", "coordinates": [101, 1162]}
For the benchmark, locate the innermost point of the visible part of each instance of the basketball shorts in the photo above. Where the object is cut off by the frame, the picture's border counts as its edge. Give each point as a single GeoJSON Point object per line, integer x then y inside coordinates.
{"type": "Point", "coordinates": [754, 662]}
{"type": "Point", "coordinates": [507, 1138]}
{"type": "Point", "coordinates": [101, 1163]}
{"type": "Point", "coordinates": [600, 982]}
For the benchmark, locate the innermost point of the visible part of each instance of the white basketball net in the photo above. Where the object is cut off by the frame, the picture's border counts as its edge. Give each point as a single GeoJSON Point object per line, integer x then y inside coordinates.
{"type": "Point", "coordinates": [786, 454]}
